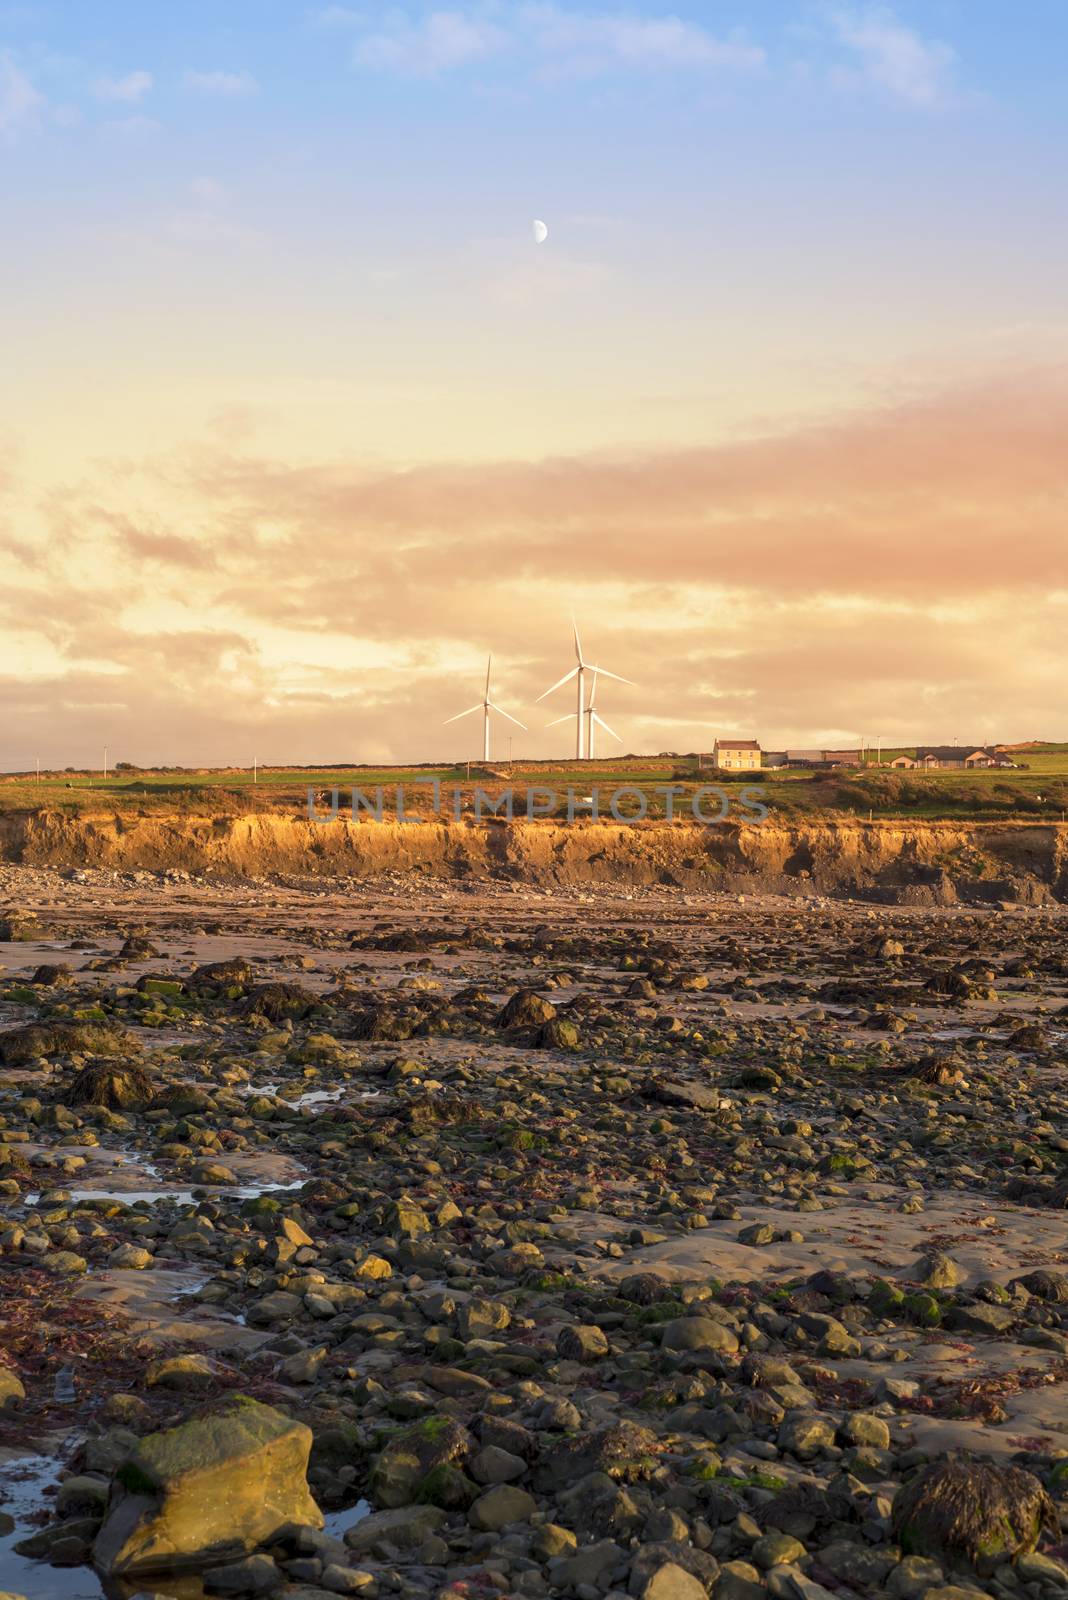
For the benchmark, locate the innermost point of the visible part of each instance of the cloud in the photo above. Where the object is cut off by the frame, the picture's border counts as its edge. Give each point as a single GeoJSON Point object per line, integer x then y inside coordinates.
{"type": "Point", "coordinates": [894, 57]}
{"type": "Point", "coordinates": [227, 84]}
{"type": "Point", "coordinates": [130, 89]}
{"type": "Point", "coordinates": [539, 280]}
{"type": "Point", "coordinates": [336, 17]}
{"type": "Point", "coordinates": [543, 35]}
{"type": "Point", "coordinates": [437, 43]}
{"type": "Point", "coordinates": [924, 499]}
{"type": "Point", "coordinates": [19, 100]}
{"type": "Point", "coordinates": [598, 38]}
{"type": "Point", "coordinates": [208, 191]}
{"type": "Point", "coordinates": [134, 128]}
{"type": "Point", "coordinates": [900, 570]}
{"type": "Point", "coordinates": [171, 549]}
{"type": "Point", "coordinates": [207, 220]}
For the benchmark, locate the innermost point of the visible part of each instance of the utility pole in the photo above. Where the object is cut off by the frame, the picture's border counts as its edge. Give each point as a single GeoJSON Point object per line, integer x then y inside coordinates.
{"type": "Point", "coordinates": [38, 769]}
{"type": "Point", "coordinates": [255, 769]}
{"type": "Point", "coordinates": [105, 763]}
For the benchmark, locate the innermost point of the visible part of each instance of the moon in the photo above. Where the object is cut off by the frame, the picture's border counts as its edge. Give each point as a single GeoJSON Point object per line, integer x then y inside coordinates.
{"type": "Point", "coordinates": [540, 232]}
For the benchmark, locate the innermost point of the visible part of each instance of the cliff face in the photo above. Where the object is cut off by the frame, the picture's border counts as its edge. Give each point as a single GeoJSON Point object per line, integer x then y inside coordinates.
{"type": "Point", "coordinates": [927, 862]}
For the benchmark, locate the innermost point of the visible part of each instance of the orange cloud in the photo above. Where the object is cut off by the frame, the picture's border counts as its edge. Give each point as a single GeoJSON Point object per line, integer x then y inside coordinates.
{"type": "Point", "coordinates": [901, 571]}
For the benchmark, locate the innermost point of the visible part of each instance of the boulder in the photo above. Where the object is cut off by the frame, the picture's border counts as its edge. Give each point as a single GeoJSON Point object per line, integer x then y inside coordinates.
{"type": "Point", "coordinates": [406, 1528]}
{"type": "Point", "coordinates": [130, 1258]}
{"type": "Point", "coordinates": [118, 1085]}
{"type": "Point", "coordinates": [697, 1096]}
{"type": "Point", "coordinates": [21, 1046]}
{"type": "Point", "coordinates": [193, 1371]}
{"type": "Point", "coordinates": [582, 1342]}
{"type": "Point", "coordinates": [672, 1582]}
{"type": "Point", "coordinates": [964, 1509]}
{"type": "Point", "coordinates": [698, 1333]}
{"type": "Point", "coordinates": [210, 1490]}
{"type": "Point", "coordinates": [11, 1389]}
{"type": "Point", "coordinates": [525, 1009]}
{"type": "Point", "coordinates": [805, 1433]}
{"type": "Point", "coordinates": [478, 1318]}
{"type": "Point", "coordinates": [936, 1270]}
{"type": "Point", "coordinates": [501, 1505]}
{"type": "Point", "coordinates": [400, 1474]}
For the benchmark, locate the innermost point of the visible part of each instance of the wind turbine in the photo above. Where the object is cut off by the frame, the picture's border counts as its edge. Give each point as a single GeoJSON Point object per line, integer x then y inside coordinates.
{"type": "Point", "coordinates": [578, 672]}
{"type": "Point", "coordinates": [486, 705]}
{"type": "Point", "coordinates": [593, 721]}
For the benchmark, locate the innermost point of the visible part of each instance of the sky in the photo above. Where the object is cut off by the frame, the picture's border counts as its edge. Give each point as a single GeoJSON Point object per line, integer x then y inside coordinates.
{"type": "Point", "coordinates": [298, 424]}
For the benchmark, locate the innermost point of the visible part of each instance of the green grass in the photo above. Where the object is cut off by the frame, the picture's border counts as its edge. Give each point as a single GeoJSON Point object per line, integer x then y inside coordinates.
{"type": "Point", "coordinates": [1037, 791]}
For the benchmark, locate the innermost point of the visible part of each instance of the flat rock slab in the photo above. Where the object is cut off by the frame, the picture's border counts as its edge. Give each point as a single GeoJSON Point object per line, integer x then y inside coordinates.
{"type": "Point", "coordinates": [861, 1236]}
{"type": "Point", "coordinates": [148, 1300]}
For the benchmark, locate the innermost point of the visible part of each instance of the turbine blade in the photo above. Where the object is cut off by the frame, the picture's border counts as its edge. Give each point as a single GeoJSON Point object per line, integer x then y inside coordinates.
{"type": "Point", "coordinates": [559, 683]}
{"type": "Point", "coordinates": [460, 714]}
{"type": "Point", "coordinates": [578, 644]}
{"type": "Point", "coordinates": [489, 663]}
{"type": "Point", "coordinates": [501, 712]}
{"type": "Point", "coordinates": [606, 674]}
{"type": "Point", "coordinates": [601, 723]}
{"type": "Point", "coordinates": [558, 720]}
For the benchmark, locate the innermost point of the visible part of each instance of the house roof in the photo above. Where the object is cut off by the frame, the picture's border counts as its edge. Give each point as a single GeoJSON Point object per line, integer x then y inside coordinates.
{"type": "Point", "coordinates": [737, 744]}
{"type": "Point", "coordinates": [950, 752]}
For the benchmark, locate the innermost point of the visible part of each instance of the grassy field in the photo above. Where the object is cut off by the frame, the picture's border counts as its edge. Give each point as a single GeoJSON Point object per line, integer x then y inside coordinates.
{"type": "Point", "coordinates": [1037, 789]}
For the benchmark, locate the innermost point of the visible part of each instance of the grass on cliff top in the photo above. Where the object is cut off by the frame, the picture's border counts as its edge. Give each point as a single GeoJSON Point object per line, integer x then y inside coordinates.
{"type": "Point", "coordinates": [1037, 790]}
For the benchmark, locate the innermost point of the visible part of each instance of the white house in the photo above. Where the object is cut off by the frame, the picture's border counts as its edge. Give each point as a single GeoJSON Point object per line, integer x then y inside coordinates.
{"type": "Point", "coordinates": [737, 755]}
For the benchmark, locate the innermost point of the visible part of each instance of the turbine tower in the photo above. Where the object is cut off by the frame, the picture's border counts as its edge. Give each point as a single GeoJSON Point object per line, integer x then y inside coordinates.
{"type": "Point", "coordinates": [592, 720]}
{"type": "Point", "coordinates": [486, 705]}
{"type": "Point", "coordinates": [578, 672]}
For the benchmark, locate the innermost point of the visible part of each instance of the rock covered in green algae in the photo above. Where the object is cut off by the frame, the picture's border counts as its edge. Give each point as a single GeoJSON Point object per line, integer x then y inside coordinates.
{"type": "Point", "coordinates": [21, 1046]}
{"type": "Point", "coordinates": [211, 1489]}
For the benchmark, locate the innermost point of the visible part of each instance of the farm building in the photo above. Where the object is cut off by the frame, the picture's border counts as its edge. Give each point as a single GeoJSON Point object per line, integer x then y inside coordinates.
{"type": "Point", "coordinates": [736, 755]}
{"type": "Point", "coordinates": [823, 758]}
{"type": "Point", "coordinates": [951, 758]}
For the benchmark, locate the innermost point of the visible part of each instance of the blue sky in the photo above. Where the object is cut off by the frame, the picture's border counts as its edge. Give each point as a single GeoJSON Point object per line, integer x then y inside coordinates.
{"type": "Point", "coordinates": [719, 135]}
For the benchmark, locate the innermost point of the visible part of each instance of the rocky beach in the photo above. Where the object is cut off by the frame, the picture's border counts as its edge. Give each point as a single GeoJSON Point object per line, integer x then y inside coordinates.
{"type": "Point", "coordinates": [403, 1238]}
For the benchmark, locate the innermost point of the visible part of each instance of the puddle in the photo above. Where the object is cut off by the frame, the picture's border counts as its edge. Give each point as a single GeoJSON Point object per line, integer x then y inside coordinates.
{"type": "Point", "coordinates": [312, 1097]}
{"type": "Point", "coordinates": [195, 1282]}
{"type": "Point", "coordinates": [23, 1482]}
{"type": "Point", "coordinates": [64, 1392]}
{"type": "Point", "coordinates": [337, 1522]}
{"type": "Point", "coordinates": [237, 1318]}
{"type": "Point", "coordinates": [995, 1035]}
{"type": "Point", "coordinates": [129, 1197]}
{"type": "Point", "coordinates": [181, 1197]}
